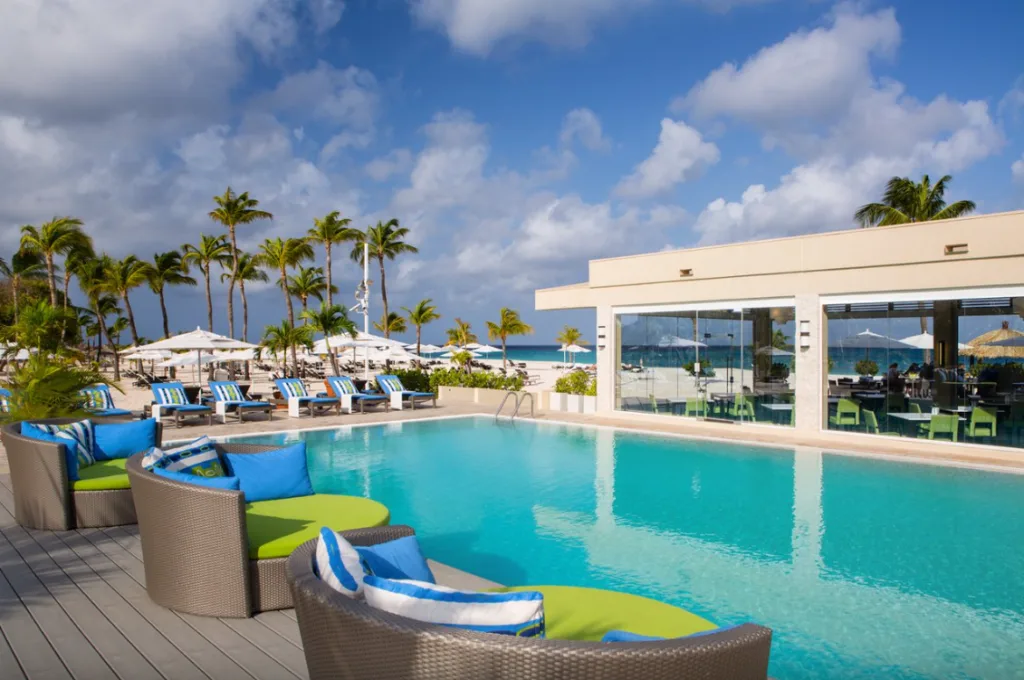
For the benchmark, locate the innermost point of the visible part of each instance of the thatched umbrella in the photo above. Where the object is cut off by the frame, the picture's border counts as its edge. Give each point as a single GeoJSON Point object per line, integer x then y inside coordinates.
{"type": "Point", "coordinates": [982, 347]}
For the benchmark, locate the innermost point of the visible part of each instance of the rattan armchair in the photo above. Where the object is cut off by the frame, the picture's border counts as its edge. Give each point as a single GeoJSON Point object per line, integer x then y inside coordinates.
{"type": "Point", "coordinates": [43, 497]}
{"type": "Point", "coordinates": [346, 639]}
{"type": "Point", "coordinates": [196, 550]}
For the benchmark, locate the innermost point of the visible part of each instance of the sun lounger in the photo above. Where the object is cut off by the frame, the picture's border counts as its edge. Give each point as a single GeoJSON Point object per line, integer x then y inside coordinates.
{"type": "Point", "coordinates": [228, 397]}
{"type": "Point", "coordinates": [399, 396]}
{"type": "Point", "coordinates": [100, 404]}
{"type": "Point", "coordinates": [5, 400]}
{"type": "Point", "coordinates": [172, 402]}
{"type": "Point", "coordinates": [346, 390]}
{"type": "Point", "coordinates": [294, 390]}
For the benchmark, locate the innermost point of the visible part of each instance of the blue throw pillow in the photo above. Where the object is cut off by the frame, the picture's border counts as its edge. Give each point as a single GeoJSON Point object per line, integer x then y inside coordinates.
{"type": "Point", "coordinates": [337, 564]}
{"type": "Point", "coordinates": [401, 558]}
{"type": "Point", "coordinates": [226, 483]}
{"type": "Point", "coordinates": [272, 475]}
{"type": "Point", "coordinates": [120, 440]}
{"type": "Point", "coordinates": [70, 452]}
{"type": "Point", "coordinates": [519, 613]}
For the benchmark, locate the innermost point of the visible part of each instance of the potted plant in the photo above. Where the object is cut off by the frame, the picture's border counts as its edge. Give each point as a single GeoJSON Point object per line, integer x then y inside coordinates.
{"type": "Point", "coordinates": [866, 368]}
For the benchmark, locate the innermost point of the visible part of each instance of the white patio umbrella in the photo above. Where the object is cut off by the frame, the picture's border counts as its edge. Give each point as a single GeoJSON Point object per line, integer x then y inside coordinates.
{"type": "Point", "coordinates": [676, 341]}
{"type": "Point", "coordinates": [573, 350]}
{"type": "Point", "coordinates": [775, 352]}
{"type": "Point", "coordinates": [237, 355]}
{"type": "Point", "coordinates": [148, 355]}
{"type": "Point", "coordinates": [868, 341]}
{"type": "Point", "coordinates": [197, 340]}
{"type": "Point", "coordinates": [926, 341]}
{"type": "Point", "coordinates": [430, 349]}
{"type": "Point", "coordinates": [449, 355]}
{"type": "Point", "coordinates": [179, 360]}
{"type": "Point", "coordinates": [484, 349]}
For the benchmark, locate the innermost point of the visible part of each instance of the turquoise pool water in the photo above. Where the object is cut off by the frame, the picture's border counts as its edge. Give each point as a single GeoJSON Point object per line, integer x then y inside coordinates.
{"type": "Point", "coordinates": [864, 569]}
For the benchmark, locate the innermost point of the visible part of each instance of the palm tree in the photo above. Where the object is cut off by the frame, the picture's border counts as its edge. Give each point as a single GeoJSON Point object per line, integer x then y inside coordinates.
{"type": "Point", "coordinates": [569, 335]}
{"type": "Point", "coordinates": [392, 323]}
{"type": "Point", "coordinates": [248, 270]}
{"type": "Point", "coordinates": [284, 338]}
{"type": "Point", "coordinates": [280, 254]}
{"type": "Point", "coordinates": [26, 265]}
{"type": "Point", "coordinates": [385, 242]}
{"type": "Point", "coordinates": [907, 201]}
{"type": "Point", "coordinates": [509, 323]}
{"type": "Point", "coordinates": [78, 253]}
{"type": "Point", "coordinates": [124, 276]}
{"type": "Point", "coordinates": [211, 250]}
{"type": "Point", "coordinates": [460, 336]}
{"type": "Point", "coordinates": [56, 237]}
{"type": "Point", "coordinates": [93, 278]}
{"type": "Point", "coordinates": [41, 326]}
{"type": "Point", "coordinates": [328, 230]}
{"type": "Point", "coordinates": [232, 211]}
{"type": "Point", "coordinates": [330, 320]}
{"type": "Point", "coordinates": [423, 313]}
{"type": "Point", "coordinates": [306, 283]}
{"type": "Point", "coordinates": [168, 269]}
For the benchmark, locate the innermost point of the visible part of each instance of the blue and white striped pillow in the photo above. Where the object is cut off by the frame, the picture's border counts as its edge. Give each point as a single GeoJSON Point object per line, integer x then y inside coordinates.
{"type": "Point", "coordinates": [171, 396]}
{"type": "Point", "coordinates": [294, 388]}
{"type": "Point", "coordinates": [79, 437]}
{"type": "Point", "coordinates": [228, 392]}
{"type": "Point", "coordinates": [520, 613]}
{"type": "Point", "coordinates": [338, 564]}
{"type": "Point", "coordinates": [343, 386]}
{"type": "Point", "coordinates": [198, 457]}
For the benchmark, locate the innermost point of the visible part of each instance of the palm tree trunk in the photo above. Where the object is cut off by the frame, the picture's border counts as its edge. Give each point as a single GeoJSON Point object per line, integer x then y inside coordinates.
{"type": "Point", "coordinates": [163, 312]}
{"type": "Point", "coordinates": [131, 318]}
{"type": "Point", "coordinates": [15, 286]}
{"type": "Point", "coordinates": [334, 359]}
{"type": "Point", "coordinates": [330, 280]}
{"type": "Point", "coordinates": [67, 284]}
{"type": "Point", "coordinates": [52, 279]}
{"type": "Point", "coordinates": [287, 297]}
{"type": "Point", "coordinates": [231, 283]}
{"type": "Point", "coordinates": [384, 296]}
{"type": "Point", "coordinates": [209, 300]}
{"type": "Point", "coordinates": [419, 329]}
{"type": "Point", "coordinates": [245, 323]}
{"type": "Point", "coordinates": [504, 355]}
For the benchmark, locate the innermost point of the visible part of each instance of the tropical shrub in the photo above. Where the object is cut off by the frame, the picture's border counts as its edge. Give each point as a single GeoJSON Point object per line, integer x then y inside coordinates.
{"type": "Point", "coordinates": [577, 382]}
{"type": "Point", "coordinates": [453, 377]}
{"type": "Point", "coordinates": [866, 367]}
{"type": "Point", "coordinates": [413, 379]}
{"type": "Point", "coordinates": [706, 369]}
{"type": "Point", "coordinates": [45, 387]}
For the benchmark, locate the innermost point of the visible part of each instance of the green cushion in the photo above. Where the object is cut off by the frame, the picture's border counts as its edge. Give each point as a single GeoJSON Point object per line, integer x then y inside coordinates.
{"type": "Point", "coordinates": [103, 475]}
{"type": "Point", "coordinates": [276, 528]}
{"type": "Point", "coordinates": [587, 614]}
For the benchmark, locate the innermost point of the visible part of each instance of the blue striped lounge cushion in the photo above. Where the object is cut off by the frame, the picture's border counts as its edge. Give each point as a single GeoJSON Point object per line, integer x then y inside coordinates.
{"type": "Point", "coordinates": [97, 399]}
{"type": "Point", "coordinates": [294, 388]}
{"type": "Point", "coordinates": [228, 392]}
{"type": "Point", "coordinates": [79, 437]}
{"type": "Point", "coordinates": [171, 396]}
{"type": "Point", "coordinates": [198, 457]}
{"type": "Point", "coordinates": [392, 385]}
{"type": "Point", "coordinates": [520, 614]}
{"type": "Point", "coordinates": [338, 564]}
{"type": "Point", "coordinates": [343, 387]}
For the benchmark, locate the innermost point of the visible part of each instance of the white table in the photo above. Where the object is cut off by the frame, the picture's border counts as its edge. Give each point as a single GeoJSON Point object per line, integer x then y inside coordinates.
{"type": "Point", "coordinates": [778, 407]}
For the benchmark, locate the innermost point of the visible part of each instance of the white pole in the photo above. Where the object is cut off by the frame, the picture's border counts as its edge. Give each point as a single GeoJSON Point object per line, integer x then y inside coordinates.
{"type": "Point", "coordinates": [366, 307]}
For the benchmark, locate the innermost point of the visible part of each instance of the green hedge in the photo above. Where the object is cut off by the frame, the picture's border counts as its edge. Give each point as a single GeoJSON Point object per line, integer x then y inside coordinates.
{"type": "Point", "coordinates": [577, 382]}
{"type": "Point", "coordinates": [419, 381]}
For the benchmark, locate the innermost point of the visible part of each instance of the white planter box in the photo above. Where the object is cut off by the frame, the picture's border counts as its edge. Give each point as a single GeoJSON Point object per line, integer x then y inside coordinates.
{"type": "Point", "coordinates": [556, 401]}
{"type": "Point", "coordinates": [589, 404]}
{"type": "Point", "coordinates": [574, 403]}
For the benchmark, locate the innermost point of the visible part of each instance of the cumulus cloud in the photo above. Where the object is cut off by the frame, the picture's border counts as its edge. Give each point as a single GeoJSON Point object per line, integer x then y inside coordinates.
{"type": "Point", "coordinates": [681, 154]}
{"type": "Point", "coordinates": [342, 96]}
{"type": "Point", "coordinates": [584, 126]}
{"type": "Point", "coordinates": [394, 163]}
{"type": "Point", "coordinates": [476, 26]}
{"type": "Point", "coordinates": [1017, 169]}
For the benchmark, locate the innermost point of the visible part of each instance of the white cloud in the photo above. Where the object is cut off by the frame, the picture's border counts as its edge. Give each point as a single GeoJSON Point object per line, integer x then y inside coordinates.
{"type": "Point", "coordinates": [811, 75]}
{"type": "Point", "coordinates": [395, 163]}
{"type": "Point", "coordinates": [1017, 169]}
{"type": "Point", "coordinates": [326, 14]}
{"type": "Point", "coordinates": [681, 154]}
{"type": "Point", "coordinates": [584, 126]}
{"type": "Point", "coordinates": [342, 96]}
{"type": "Point", "coordinates": [476, 26]}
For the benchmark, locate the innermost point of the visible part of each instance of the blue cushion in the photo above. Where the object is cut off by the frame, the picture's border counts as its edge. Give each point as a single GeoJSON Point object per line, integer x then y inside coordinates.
{"type": "Point", "coordinates": [337, 564]}
{"type": "Point", "coordinates": [519, 613]}
{"type": "Point", "coordinates": [401, 558]}
{"type": "Point", "coordinates": [78, 440]}
{"type": "Point", "coordinates": [272, 475]}
{"type": "Point", "coordinates": [226, 483]}
{"type": "Point", "coordinates": [198, 457]}
{"type": "Point", "coordinates": [120, 440]}
{"type": "Point", "coordinates": [70, 453]}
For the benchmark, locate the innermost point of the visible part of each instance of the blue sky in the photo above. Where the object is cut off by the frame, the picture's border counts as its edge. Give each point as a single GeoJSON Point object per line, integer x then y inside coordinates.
{"type": "Point", "coordinates": [516, 138]}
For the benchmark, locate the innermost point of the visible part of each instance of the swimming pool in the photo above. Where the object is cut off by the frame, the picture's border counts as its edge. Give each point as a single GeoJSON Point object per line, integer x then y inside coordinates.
{"type": "Point", "coordinates": [863, 568]}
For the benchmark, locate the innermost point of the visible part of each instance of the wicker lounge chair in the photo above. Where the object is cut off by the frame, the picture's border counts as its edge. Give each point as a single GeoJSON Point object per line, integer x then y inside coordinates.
{"type": "Point", "coordinates": [228, 397]}
{"type": "Point", "coordinates": [346, 639]}
{"type": "Point", "coordinates": [294, 392]}
{"type": "Point", "coordinates": [341, 386]}
{"type": "Point", "coordinates": [207, 552]}
{"type": "Point", "coordinates": [44, 498]}
{"type": "Point", "coordinates": [172, 401]}
{"type": "Point", "coordinates": [401, 397]}
{"type": "Point", "coordinates": [100, 404]}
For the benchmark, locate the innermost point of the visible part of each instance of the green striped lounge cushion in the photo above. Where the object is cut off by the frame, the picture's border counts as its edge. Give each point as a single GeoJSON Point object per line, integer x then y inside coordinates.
{"type": "Point", "coordinates": [97, 399]}
{"type": "Point", "coordinates": [393, 385]}
{"type": "Point", "coordinates": [171, 396]}
{"type": "Point", "coordinates": [78, 437]}
{"type": "Point", "coordinates": [294, 388]}
{"type": "Point", "coordinates": [229, 392]}
{"type": "Point", "coordinates": [197, 457]}
{"type": "Point", "coordinates": [343, 386]}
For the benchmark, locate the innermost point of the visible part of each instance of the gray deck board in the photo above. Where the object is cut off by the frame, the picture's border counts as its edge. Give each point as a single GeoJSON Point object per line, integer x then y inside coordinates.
{"type": "Point", "coordinates": [32, 651]}
{"type": "Point", "coordinates": [9, 666]}
{"type": "Point", "coordinates": [283, 625]}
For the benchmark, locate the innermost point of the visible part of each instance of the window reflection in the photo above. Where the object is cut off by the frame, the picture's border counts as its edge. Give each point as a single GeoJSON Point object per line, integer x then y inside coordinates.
{"type": "Point", "coordinates": [731, 364]}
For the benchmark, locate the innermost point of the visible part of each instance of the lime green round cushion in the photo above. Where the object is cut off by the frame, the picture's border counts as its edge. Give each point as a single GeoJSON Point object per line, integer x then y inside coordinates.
{"type": "Point", "coordinates": [276, 528]}
{"type": "Point", "coordinates": [584, 614]}
{"type": "Point", "coordinates": [103, 475]}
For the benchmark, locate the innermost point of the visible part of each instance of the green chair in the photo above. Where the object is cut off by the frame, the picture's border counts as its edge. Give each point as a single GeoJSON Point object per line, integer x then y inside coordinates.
{"type": "Point", "coordinates": [696, 408]}
{"type": "Point", "coordinates": [944, 424]}
{"type": "Point", "coordinates": [847, 414]}
{"type": "Point", "coordinates": [895, 403]}
{"type": "Point", "coordinates": [982, 423]}
{"type": "Point", "coordinates": [742, 408]}
{"type": "Point", "coordinates": [871, 424]}
{"type": "Point", "coordinates": [915, 407]}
